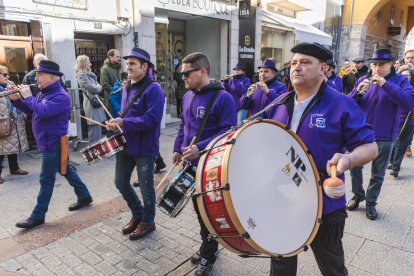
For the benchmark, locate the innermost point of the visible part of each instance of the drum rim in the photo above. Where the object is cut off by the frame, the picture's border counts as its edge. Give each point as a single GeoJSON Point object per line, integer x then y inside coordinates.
{"type": "Point", "coordinates": [227, 196]}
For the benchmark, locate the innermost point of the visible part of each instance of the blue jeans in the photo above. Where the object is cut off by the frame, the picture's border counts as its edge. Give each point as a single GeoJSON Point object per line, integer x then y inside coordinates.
{"type": "Point", "coordinates": [241, 115]}
{"type": "Point", "coordinates": [50, 166]}
{"type": "Point", "coordinates": [400, 146]}
{"type": "Point", "coordinates": [379, 166]}
{"type": "Point", "coordinates": [125, 164]}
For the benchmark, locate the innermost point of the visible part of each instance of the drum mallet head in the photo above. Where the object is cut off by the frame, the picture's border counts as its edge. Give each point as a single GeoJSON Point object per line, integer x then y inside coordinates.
{"type": "Point", "coordinates": [334, 187]}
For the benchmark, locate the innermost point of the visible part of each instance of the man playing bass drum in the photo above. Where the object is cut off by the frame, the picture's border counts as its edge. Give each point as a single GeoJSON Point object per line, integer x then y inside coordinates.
{"type": "Point", "coordinates": [342, 126]}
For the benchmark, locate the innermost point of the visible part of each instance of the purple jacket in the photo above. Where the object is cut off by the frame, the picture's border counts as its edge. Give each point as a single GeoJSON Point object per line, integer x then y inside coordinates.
{"type": "Point", "coordinates": [142, 122]}
{"type": "Point", "coordinates": [237, 87]}
{"type": "Point", "coordinates": [260, 99]}
{"type": "Point", "coordinates": [331, 123]}
{"type": "Point", "coordinates": [335, 82]}
{"type": "Point", "coordinates": [382, 105]}
{"type": "Point", "coordinates": [50, 110]}
{"type": "Point", "coordinates": [222, 116]}
{"type": "Point", "coordinates": [403, 116]}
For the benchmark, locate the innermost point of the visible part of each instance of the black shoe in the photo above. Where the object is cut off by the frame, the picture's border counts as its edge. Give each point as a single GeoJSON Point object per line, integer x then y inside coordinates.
{"type": "Point", "coordinates": [389, 167]}
{"type": "Point", "coordinates": [394, 173]}
{"type": "Point", "coordinates": [371, 212]}
{"type": "Point", "coordinates": [80, 204]}
{"type": "Point", "coordinates": [135, 184]}
{"type": "Point", "coordinates": [159, 165]}
{"type": "Point", "coordinates": [30, 223]}
{"type": "Point", "coordinates": [204, 268]}
{"type": "Point", "coordinates": [196, 258]}
{"type": "Point", "coordinates": [354, 203]}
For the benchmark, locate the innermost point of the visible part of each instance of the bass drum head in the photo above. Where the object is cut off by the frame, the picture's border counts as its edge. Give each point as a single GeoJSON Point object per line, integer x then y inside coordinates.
{"type": "Point", "coordinates": [274, 188]}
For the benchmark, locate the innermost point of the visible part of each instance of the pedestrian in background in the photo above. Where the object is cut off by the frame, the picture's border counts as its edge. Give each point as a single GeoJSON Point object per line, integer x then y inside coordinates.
{"type": "Point", "coordinates": [91, 88]}
{"type": "Point", "coordinates": [16, 142]}
{"type": "Point", "coordinates": [110, 73]}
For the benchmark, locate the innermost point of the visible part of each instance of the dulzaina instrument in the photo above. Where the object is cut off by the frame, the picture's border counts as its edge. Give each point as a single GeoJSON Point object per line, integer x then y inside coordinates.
{"type": "Point", "coordinates": [11, 90]}
{"type": "Point", "coordinates": [362, 92]}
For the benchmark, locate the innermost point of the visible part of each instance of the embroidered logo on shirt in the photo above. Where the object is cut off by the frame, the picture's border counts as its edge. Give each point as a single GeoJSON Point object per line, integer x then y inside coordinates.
{"type": "Point", "coordinates": [200, 111]}
{"type": "Point", "coordinates": [317, 120]}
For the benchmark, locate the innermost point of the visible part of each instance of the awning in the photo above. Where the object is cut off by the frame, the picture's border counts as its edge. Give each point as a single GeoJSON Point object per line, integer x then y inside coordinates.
{"type": "Point", "coordinates": [303, 32]}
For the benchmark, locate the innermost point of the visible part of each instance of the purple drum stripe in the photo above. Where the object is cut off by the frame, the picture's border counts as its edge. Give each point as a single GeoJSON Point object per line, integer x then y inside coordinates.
{"type": "Point", "coordinates": [388, 56]}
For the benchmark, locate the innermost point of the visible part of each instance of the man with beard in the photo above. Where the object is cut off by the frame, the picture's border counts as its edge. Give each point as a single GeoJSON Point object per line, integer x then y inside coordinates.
{"type": "Point", "coordinates": [196, 75]}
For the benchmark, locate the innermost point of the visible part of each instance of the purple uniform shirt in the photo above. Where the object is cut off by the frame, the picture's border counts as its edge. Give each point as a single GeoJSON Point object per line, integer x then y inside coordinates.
{"type": "Point", "coordinates": [50, 111]}
{"type": "Point", "coordinates": [237, 87]}
{"type": "Point", "coordinates": [222, 116]}
{"type": "Point", "coordinates": [382, 105]}
{"type": "Point", "coordinates": [142, 122]}
{"type": "Point", "coordinates": [260, 99]}
{"type": "Point", "coordinates": [331, 123]}
{"type": "Point", "coordinates": [335, 82]}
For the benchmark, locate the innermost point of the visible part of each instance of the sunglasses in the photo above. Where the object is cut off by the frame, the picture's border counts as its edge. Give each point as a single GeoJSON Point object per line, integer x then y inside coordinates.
{"type": "Point", "coordinates": [4, 75]}
{"type": "Point", "coordinates": [187, 73]}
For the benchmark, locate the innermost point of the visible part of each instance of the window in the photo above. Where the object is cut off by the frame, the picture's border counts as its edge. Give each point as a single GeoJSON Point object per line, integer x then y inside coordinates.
{"type": "Point", "coordinates": [14, 28]}
{"type": "Point", "coordinates": [392, 16]}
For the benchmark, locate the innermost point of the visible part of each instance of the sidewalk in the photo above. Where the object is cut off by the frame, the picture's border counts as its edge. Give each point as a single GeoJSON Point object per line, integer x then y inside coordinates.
{"type": "Point", "coordinates": [89, 242]}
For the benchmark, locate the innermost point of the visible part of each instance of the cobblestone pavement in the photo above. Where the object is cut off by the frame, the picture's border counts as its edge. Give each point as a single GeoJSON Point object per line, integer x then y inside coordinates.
{"type": "Point", "coordinates": [89, 242]}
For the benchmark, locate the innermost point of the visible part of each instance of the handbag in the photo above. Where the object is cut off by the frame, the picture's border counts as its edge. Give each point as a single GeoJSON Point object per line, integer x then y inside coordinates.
{"type": "Point", "coordinates": [94, 101]}
{"type": "Point", "coordinates": [5, 126]}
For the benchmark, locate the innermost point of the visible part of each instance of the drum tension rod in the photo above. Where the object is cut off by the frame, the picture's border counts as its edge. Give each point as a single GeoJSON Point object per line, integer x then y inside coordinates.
{"type": "Point", "coordinates": [245, 235]}
{"type": "Point", "coordinates": [226, 187]}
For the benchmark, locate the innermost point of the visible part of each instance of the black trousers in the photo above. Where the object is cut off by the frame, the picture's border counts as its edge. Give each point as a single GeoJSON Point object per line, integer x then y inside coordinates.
{"type": "Point", "coordinates": [12, 162]}
{"type": "Point", "coordinates": [208, 246]}
{"type": "Point", "coordinates": [326, 247]}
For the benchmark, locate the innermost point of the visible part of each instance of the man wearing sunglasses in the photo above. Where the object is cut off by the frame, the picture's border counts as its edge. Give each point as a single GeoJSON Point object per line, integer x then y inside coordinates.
{"type": "Point", "coordinates": [195, 74]}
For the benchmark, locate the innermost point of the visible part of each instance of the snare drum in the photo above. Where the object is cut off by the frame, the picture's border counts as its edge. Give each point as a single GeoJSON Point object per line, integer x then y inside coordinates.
{"type": "Point", "coordinates": [258, 191]}
{"type": "Point", "coordinates": [104, 147]}
{"type": "Point", "coordinates": [176, 194]}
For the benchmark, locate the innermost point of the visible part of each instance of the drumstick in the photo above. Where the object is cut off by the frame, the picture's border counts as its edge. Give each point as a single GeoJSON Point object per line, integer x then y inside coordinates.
{"type": "Point", "coordinates": [92, 120]}
{"type": "Point", "coordinates": [175, 165]}
{"type": "Point", "coordinates": [107, 112]}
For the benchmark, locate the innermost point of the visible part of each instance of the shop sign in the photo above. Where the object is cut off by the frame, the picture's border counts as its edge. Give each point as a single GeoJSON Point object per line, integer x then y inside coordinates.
{"type": "Point", "coordinates": [244, 9]}
{"type": "Point", "coordinates": [247, 41]}
{"type": "Point", "coordinates": [208, 8]}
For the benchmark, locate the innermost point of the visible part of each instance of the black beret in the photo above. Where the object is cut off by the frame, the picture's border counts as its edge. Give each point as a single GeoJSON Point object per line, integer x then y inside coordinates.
{"type": "Point", "coordinates": [359, 59]}
{"type": "Point", "coordinates": [312, 49]}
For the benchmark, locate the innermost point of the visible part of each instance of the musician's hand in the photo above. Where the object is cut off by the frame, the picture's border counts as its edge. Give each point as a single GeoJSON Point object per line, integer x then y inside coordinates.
{"type": "Point", "coordinates": [226, 77]}
{"type": "Point", "coordinates": [14, 97]}
{"type": "Point", "coordinates": [251, 90]}
{"type": "Point", "coordinates": [342, 162]}
{"type": "Point", "coordinates": [113, 124]}
{"type": "Point", "coordinates": [264, 87]}
{"type": "Point", "coordinates": [190, 153]}
{"type": "Point", "coordinates": [176, 158]}
{"type": "Point", "coordinates": [362, 85]}
{"type": "Point", "coordinates": [25, 91]}
{"type": "Point", "coordinates": [378, 80]}
{"type": "Point", "coordinates": [410, 65]}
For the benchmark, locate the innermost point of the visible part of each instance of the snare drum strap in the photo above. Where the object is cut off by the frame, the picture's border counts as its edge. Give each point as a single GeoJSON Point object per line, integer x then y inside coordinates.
{"type": "Point", "coordinates": [137, 95]}
{"type": "Point", "coordinates": [205, 117]}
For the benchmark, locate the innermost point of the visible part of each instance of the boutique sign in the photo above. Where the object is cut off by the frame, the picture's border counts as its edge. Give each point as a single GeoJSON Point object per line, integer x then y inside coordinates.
{"type": "Point", "coordinates": [207, 8]}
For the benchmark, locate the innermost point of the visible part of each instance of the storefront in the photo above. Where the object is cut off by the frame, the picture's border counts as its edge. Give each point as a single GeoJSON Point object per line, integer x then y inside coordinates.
{"type": "Point", "coordinates": [183, 27]}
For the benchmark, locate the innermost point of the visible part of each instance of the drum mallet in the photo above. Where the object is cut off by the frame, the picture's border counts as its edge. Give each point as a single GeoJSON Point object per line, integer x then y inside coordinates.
{"type": "Point", "coordinates": [334, 187]}
{"type": "Point", "coordinates": [175, 165]}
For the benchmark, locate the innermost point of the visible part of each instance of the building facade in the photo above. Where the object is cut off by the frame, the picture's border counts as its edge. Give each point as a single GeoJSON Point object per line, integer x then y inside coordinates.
{"type": "Point", "coordinates": [371, 24]}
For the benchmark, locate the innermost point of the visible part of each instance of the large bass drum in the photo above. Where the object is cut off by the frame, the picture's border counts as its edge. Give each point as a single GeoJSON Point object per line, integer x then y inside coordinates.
{"type": "Point", "coordinates": [258, 191]}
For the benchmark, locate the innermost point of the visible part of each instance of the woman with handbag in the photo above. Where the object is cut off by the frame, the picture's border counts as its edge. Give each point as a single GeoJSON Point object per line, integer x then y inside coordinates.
{"type": "Point", "coordinates": [90, 87]}
{"type": "Point", "coordinates": [13, 138]}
